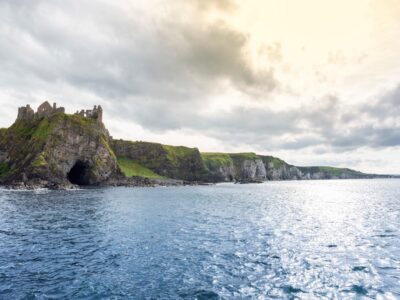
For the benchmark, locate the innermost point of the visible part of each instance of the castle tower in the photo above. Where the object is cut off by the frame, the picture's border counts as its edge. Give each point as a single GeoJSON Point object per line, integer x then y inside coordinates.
{"type": "Point", "coordinates": [44, 109]}
{"type": "Point", "coordinates": [25, 113]}
{"type": "Point", "coordinates": [99, 115]}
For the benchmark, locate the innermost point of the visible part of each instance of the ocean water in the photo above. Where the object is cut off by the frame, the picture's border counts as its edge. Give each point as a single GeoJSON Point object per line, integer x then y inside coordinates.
{"type": "Point", "coordinates": [276, 240]}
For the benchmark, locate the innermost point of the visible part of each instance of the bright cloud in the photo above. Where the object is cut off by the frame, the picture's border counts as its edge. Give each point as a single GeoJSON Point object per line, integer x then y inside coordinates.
{"type": "Point", "coordinates": [313, 81]}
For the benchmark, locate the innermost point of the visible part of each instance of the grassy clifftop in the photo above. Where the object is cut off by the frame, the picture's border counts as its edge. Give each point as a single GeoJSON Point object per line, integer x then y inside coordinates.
{"type": "Point", "coordinates": [225, 166]}
{"type": "Point", "coordinates": [49, 148]}
{"type": "Point", "coordinates": [332, 172]}
{"type": "Point", "coordinates": [176, 162]}
{"type": "Point", "coordinates": [2, 132]}
{"type": "Point", "coordinates": [131, 168]}
{"type": "Point", "coordinates": [4, 169]}
{"type": "Point", "coordinates": [46, 149]}
{"type": "Point", "coordinates": [25, 142]}
{"type": "Point", "coordinates": [273, 162]}
{"type": "Point", "coordinates": [214, 160]}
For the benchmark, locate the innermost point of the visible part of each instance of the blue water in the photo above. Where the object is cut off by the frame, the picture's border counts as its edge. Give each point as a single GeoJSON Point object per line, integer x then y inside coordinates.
{"type": "Point", "coordinates": [284, 240]}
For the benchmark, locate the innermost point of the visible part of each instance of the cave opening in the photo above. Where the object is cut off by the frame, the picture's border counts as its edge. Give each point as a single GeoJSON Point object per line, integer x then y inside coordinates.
{"type": "Point", "coordinates": [79, 173]}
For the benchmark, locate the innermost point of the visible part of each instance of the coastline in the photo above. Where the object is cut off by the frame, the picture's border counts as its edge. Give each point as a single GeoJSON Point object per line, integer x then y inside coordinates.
{"type": "Point", "coordinates": [52, 149]}
{"type": "Point", "coordinates": [148, 182]}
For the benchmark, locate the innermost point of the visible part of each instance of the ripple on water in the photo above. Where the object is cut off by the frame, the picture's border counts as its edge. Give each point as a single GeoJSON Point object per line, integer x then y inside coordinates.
{"type": "Point", "coordinates": [283, 240]}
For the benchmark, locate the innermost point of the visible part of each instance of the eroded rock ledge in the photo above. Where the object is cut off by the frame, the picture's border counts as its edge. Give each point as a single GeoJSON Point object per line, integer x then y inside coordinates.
{"type": "Point", "coordinates": [52, 149]}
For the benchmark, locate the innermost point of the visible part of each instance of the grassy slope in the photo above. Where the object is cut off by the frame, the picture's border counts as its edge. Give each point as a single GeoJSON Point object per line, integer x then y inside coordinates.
{"type": "Point", "coordinates": [2, 132]}
{"type": "Point", "coordinates": [185, 163]}
{"type": "Point", "coordinates": [130, 168]}
{"type": "Point", "coordinates": [176, 162]}
{"type": "Point", "coordinates": [214, 160]}
{"type": "Point", "coordinates": [26, 141]}
{"type": "Point", "coordinates": [175, 154]}
{"type": "Point", "coordinates": [331, 170]}
{"type": "Point", "coordinates": [276, 162]}
{"type": "Point", "coordinates": [4, 169]}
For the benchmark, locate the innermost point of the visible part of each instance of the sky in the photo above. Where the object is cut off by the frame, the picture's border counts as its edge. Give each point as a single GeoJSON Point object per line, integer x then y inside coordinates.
{"type": "Point", "coordinates": [314, 82]}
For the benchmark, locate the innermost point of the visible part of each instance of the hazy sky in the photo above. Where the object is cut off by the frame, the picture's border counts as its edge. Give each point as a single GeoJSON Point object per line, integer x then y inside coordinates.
{"type": "Point", "coordinates": [315, 82]}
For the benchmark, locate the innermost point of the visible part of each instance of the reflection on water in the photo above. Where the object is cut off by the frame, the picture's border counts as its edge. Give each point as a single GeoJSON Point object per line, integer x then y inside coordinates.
{"type": "Point", "coordinates": [275, 240]}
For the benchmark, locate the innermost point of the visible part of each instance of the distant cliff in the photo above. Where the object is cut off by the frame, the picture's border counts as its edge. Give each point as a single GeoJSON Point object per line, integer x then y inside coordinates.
{"type": "Point", "coordinates": [50, 148]}
{"type": "Point", "coordinates": [190, 165]}
{"type": "Point", "coordinates": [57, 150]}
{"type": "Point", "coordinates": [175, 162]}
{"type": "Point", "coordinates": [250, 167]}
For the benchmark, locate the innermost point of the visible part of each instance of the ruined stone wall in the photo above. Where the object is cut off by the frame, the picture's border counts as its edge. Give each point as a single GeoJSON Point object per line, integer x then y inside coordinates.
{"type": "Point", "coordinates": [46, 110]}
{"type": "Point", "coordinates": [95, 113]}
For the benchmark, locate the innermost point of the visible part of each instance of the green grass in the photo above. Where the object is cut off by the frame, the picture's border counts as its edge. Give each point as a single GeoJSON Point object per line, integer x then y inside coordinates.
{"type": "Point", "coordinates": [3, 132]}
{"type": "Point", "coordinates": [215, 160]}
{"type": "Point", "coordinates": [40, 161]}
{"type": "Point", "coordinates": [176, 153]}
{"type": "Point", "coordinates": [277, 162]}
{"type": "Point", "coordinates": [44, 129]}
{"type": "Point", "coordinates": [4, 170]}
{"type": "Point", "coordinates": [337, 172]}
{"type": "Point", "coordinates": [244, 156]}
{"type": "Point", "coordinates": [26, 140]}
{"type": "Point", "coordinates": [131, 168]}
{"type": "Point", "coordinates": [79, 120]}
{"type": "Point", "coordinates": [47, 124]}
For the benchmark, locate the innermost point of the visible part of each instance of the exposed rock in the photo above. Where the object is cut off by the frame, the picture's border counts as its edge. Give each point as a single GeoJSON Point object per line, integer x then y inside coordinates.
{"type": "Point", "coordinates": [58, 150]}
{"type": "Point", "coordinates": [250, 167]}
{"type": "Point", "coordinates": [49, 148]}
{"type": "Point", "coordinates": [175, 162]}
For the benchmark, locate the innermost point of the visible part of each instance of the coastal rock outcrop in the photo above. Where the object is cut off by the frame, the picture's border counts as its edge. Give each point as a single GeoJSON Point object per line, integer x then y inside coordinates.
{"type": "Point", "coordinates": [175, 162]}
{"type": "Point", "coordinates": [250, 167]}
{"type": "Point", "coordinates": [57, 150]}
{"type": "Point", "coordinates": [49, 148]}
{"type": "Point", "coordinates": [278, 169]}
{"type": "Point", "coordinates": [240, 167]}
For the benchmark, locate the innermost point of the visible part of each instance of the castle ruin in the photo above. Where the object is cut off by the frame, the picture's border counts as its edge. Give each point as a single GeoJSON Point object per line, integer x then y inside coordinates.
{"type": "Point", "coordinates": [95, 113]}
{"type": "Point", "coordinates": [46, 110]}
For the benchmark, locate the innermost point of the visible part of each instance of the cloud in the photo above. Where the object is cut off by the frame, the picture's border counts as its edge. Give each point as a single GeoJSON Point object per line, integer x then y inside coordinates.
{"type": "Point", "coordinates": [325, 123]}
{"type": "Point", "coordinates": [223, 5]}
{"type": "Point", "coordinates": [165, 66]}
{"type": "Point", "coordinates": [115, 55]}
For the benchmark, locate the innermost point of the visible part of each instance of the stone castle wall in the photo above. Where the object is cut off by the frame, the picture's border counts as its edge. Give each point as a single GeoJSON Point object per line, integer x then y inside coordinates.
{"type": "Point", "coordinates": [46, 110]}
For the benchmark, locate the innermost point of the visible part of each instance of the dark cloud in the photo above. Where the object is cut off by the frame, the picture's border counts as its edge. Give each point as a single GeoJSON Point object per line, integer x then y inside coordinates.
{"type": "Point", "coordinates": [161, 71]}
{"type": "Point", "coordinates": [327, 123]}
{"type": "Point", "coordinates": [114, 54]}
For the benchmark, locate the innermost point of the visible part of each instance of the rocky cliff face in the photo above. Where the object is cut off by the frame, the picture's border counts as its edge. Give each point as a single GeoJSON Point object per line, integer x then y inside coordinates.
{"type": "Point", "coordinates": [3, 150]}
{"type": "Point", "coordinates": [250, 167]}
{"type": "Point", "coordinates": [278, 169]}
{"type": "Point", "coordinates": [244, 167]}
{"type": "Point", "coordinates": [57, 151]}
{"type": "Point", "coordinates": [332, 173]}
{"type": "Point", "coordinates": [175, 162]}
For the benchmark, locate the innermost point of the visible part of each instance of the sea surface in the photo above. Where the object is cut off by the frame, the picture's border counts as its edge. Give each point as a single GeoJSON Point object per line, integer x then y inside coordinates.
{"type": "Point", "coordinates": [276, 240]}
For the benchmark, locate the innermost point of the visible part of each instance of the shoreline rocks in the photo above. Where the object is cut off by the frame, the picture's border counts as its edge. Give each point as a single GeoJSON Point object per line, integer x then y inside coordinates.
{"type": "Point", "coordinates": [55, 150]}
